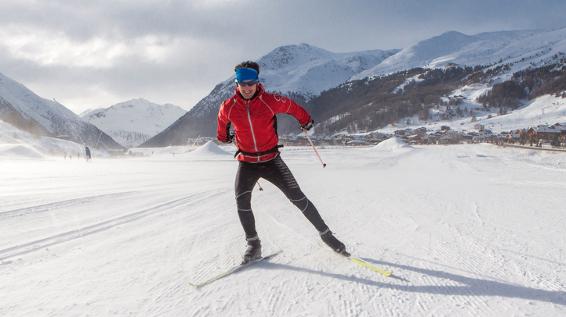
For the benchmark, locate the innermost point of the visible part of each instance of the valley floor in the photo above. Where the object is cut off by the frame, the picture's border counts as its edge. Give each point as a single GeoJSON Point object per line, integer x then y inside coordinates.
{"type": "Point", "coordinates": [472, 230]}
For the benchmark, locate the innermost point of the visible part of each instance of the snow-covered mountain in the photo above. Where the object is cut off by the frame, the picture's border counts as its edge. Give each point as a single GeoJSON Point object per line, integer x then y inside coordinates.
{"type": "Point", "coordinates": [305, 73]}
{"type": "Point", "coordinates": [24, 109]}
{"type": "Point", "coordinates": [133, 122]}
{"type": "Point", "coordinates": [309, 70]}
{"type": "Point", "coordinates": [302, 70]}
{"type": "Point", "coordinates": [519, 48]}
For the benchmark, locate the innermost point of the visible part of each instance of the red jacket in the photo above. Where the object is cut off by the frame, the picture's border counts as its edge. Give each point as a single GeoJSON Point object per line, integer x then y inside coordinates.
{"type": "Point", "coordinates": [253, 121]}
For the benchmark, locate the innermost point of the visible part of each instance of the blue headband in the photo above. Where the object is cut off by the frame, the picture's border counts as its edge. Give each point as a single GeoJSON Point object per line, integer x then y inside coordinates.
{"type": "Point", "coordinates": [246, 74]}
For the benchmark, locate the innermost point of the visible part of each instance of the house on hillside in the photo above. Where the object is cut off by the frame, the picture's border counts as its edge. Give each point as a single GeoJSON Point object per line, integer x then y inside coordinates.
{"type": "Point", "coordinates": [451, 137]}
{"type": "Point", "coordinates": [554, 134]}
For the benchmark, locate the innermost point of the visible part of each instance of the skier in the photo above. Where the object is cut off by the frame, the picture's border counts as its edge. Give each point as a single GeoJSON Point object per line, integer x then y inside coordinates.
{"type": "Point", "coordinates": [87, 153]}
{"type": "Point", "coordinates": [251, 112]}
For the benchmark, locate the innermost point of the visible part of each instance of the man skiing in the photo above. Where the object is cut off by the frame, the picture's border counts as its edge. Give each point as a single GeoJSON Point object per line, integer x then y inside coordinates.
{"type": "Point", "coordinates": [251, 112]}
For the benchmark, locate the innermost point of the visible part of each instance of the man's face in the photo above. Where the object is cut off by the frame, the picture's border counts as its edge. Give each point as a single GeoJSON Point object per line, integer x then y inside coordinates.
{"type": "Point", "coordinates": [247, 89]}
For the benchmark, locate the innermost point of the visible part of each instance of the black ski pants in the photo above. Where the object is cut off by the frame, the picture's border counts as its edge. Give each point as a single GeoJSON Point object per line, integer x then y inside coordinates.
{"type": "Point", "coordinates": [276, 172]}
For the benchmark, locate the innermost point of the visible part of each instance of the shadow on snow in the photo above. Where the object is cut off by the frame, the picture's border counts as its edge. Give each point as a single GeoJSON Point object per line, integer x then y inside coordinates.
{"type": "Point", "coordinates": [469, 286]}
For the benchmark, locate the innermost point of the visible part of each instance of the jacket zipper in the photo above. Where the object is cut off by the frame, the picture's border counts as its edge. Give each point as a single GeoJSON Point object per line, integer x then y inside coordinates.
{"type": "Point", "coordinates": [251, 127]}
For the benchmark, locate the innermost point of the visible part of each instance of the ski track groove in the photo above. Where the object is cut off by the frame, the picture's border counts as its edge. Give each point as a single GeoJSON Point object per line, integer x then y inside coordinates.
{"type": "Point", "coordinates": [476, 211]}
{"type": "Point", "coordinates": [207, 269]}
{"type": "Point", "coordinates": [39, 244]}
{"type": "Point", "coordinates": [533, 274]}
{"type": "Point", "coordinates": [470, 293]}
{"type": "Point", "coordinates": [471, 264]}
{"type": "Point", "coordinates": [275, 298]}
{"type": "Point", "coordinates": [59, 204]}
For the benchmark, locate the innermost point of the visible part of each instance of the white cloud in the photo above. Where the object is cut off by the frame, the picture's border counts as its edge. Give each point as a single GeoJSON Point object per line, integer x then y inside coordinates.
{"type": "Point", "coordinates": [91, 53]}
{"type": "Point", "coordinates": [49, 48]}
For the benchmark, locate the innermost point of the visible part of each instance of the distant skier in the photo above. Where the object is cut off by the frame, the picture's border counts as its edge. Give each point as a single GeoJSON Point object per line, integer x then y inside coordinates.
{"type": "Point", "coordinates": [251, 113]}
{"type": "Point", "coordinates": [87, 153]}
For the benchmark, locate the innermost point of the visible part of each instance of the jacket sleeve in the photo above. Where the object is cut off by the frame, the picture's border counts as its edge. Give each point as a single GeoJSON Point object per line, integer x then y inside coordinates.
{"type": "Point", "coordinates": [223, 128]}
{"type": "Point", "coordinates": [282, 104]}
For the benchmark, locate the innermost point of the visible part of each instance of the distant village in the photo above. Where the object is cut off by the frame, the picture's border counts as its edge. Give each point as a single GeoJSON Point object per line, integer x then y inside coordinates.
{"type": "Point", "coordinates": [542, 136]}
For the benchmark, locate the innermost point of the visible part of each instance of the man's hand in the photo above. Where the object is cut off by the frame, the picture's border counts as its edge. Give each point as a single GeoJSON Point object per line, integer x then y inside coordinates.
{"type": "Point", "coordinates": [229, 138]}
{"type": "Point", "coordinates": [307, 126]}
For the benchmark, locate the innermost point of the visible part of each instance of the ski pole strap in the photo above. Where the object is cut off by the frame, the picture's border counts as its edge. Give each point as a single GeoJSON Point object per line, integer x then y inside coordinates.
{"type": "Point", "coordinates": [272, 150]}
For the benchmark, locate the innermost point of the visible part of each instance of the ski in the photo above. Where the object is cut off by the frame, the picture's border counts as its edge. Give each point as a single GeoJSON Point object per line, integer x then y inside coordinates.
{"type": "Point", "coordinates": [370, 266]}
{"type": "Point", "coordinates": [365, 264]}
{"type": "Point", "coordinates": [234, 269]}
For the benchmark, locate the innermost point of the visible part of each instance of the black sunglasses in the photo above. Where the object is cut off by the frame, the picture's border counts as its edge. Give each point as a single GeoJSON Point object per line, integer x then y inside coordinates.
{"type": "Point", "coordinates": [248, 83]}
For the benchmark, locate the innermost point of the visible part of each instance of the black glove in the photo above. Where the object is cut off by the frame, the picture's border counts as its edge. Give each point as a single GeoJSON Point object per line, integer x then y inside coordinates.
{"type": "Point", "coordinates": [307, 126]}
{"type": "Point", "coordinates": [230, 138]}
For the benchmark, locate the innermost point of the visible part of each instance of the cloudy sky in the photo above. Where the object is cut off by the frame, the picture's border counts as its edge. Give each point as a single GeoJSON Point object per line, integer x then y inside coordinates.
{"type": "Point", "coordinates": [88, 53]}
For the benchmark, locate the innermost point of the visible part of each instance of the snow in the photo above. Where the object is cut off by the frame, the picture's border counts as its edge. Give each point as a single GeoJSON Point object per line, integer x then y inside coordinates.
{"type": "Point", "coordinates": [208, 150]}
{"type": "Point", "coordinates": [33, 106]}
{"type": "Point", "coordinates": [15, 143]}
{"type": "Point", "coordinates": [543, 110]}
{"type": "Point", "coordinates": [473, 230]}
{"type": "Point", "coordinates": [18, 151]}
{"type": "Point", "coordinates": [547, 110]}
{"type": "Point", "coordinates": [393, 144]}
{"type": "Point", "coordinates": [309, 70]}
{"type": "Point", "coordinates": [51, 115]}
{"type": "Point", "coordinates": [414, 79]}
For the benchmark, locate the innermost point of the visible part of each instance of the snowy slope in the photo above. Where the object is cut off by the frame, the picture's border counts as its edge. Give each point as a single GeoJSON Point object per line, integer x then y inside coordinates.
{"type": "Point", "coordinates": [521, 48]}
{"type": "Point", "coordinates": [544, 110]}
{"type": "Point", "coordinates": [133, 122]}
{"type": "Point", "coordinates": [89, 111]}
{"type": "Point", "coordinates": [52, 116]}
{"type": "Point", "coordinates": [42, 110]}
{"type": "Point", "coordinates": [478, 232]}
{"type": "Point", "coordinates": [18, 144]}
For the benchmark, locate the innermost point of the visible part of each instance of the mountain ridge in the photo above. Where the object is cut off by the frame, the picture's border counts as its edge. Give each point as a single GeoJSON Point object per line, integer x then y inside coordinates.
{"type": "Point", "coordinates": [26, 110]}
{"type": "Point", "coordinates": [134, 121]}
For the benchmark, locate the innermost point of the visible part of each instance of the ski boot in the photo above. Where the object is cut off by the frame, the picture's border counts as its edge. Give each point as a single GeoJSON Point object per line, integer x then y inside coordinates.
{"type": "Point", "coordinates": [333, 243]}
{"type": "Point", "coordinates": [253, 252]}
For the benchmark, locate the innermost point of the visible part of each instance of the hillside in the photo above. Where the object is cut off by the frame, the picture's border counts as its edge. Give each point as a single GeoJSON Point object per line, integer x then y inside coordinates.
{"type": "Point", "coordinates": [24, 109]}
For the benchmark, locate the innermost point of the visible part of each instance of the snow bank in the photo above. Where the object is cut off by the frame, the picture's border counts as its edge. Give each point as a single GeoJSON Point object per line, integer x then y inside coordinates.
{"type": "Point", "coordinates": [15, 143]}
{"type": "Point", "coordinates": [393, 144]}
{"type": "Point", "coordinates": [209, 149]}
{"type": "Point", "coordinates": [19, 151]}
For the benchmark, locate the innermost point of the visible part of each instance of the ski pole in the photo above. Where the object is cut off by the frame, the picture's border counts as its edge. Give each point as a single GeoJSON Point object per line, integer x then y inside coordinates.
{"type": "Point", "coordinates": [314, 148]}
{"type": "Point", "coordinates": [260, 188]}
